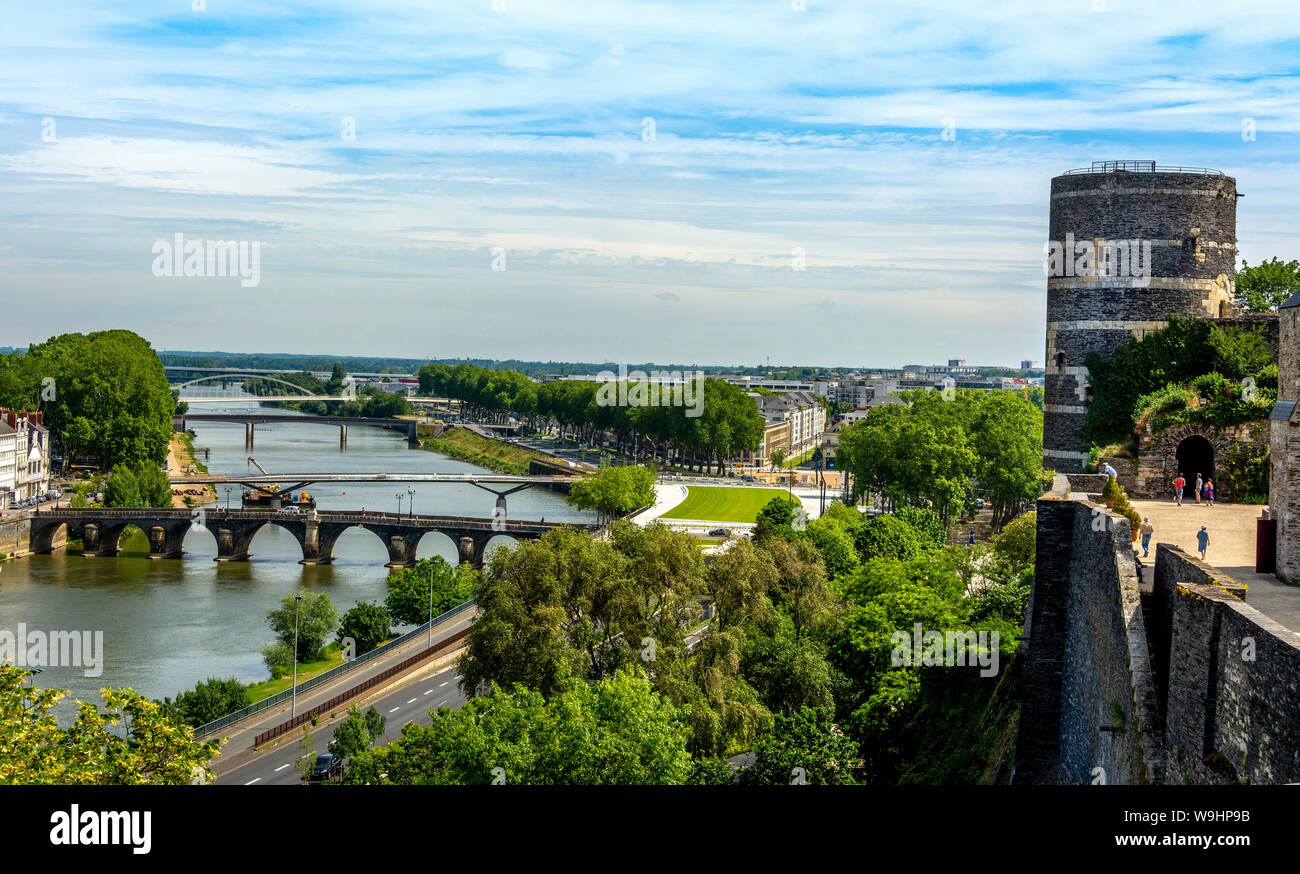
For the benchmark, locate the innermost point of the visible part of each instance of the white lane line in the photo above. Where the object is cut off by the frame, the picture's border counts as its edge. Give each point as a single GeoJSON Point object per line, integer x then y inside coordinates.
{"type": "Point", "coordinates": [412, 701]}
{"type": "Point", "coordinates": [254, 780]}
{"type": "Point", "coordinates": [395, 709]}
{"type": "Point", "coordinates": [427, 692]}
{"type": "Point", "coordinates": [443, 684]}
{"type": "Point", "coordinates": [282, 767]}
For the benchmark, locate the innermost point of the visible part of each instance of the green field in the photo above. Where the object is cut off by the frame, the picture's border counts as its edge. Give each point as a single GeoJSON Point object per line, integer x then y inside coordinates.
{"type": "Point", "coordinates": [723, 503]}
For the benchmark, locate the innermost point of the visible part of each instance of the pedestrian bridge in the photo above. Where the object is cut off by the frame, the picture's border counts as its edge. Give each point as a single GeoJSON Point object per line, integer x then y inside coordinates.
{"type": "Point", "coordinates": [101, 529]}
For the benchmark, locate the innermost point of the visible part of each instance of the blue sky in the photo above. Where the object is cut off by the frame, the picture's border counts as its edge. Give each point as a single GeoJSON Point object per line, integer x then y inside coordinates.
{"type": "Point", "coordinates": [649, 169]}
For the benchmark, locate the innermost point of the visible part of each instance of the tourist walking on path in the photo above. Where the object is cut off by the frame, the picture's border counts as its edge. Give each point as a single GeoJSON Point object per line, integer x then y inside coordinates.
{"type": "Point", "coordinates": [1200, 484]}
{"type": "Point", "coordinates": [1179, 485]}
{"type": "Point", "coordinates": [1209, 492]}
{"type": "Point", "coordinates": [1147, 530]}
{"type": "Point", "coordinates": [1202, 541]}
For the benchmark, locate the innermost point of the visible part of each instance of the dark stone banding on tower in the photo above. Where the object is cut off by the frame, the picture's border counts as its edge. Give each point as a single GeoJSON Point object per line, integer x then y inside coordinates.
{"type": "Point", "coordinates": [1189, 218]}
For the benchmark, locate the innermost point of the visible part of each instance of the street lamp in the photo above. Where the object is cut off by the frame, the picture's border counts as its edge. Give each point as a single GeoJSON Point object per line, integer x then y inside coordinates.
{"type": "Point", "coordinates": [410, 507]}
{"type": "Point", "coordinates": [399, 505]}
{"type": "Point", "coordinates": [293, 706]}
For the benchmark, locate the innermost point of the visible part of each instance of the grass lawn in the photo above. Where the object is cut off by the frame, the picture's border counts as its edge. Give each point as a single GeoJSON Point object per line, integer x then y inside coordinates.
{"type": "Point", "coordinates": [723, 503]}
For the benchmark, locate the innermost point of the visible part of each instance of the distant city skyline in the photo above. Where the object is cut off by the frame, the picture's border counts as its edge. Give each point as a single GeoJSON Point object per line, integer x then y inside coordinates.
{"type": "Point", "coordinates": [816, 182]}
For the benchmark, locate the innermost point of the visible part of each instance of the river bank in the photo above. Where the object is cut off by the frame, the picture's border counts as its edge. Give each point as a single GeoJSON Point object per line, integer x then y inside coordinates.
{"type": "Point", "coordinates": [464, 445]}
{"type": "Point", "coordinates": [180, 458]}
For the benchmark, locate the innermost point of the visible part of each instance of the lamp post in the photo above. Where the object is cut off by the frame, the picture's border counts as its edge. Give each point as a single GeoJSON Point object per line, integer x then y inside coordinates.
{"type": "Point", "coordinates": [293, 705]}
{"type": "Point", "coordinates": [430, 637]}
{"type": "Point", "coordinates": [410, 506]}
{"type": "Point", "coordinates": [399, 505]}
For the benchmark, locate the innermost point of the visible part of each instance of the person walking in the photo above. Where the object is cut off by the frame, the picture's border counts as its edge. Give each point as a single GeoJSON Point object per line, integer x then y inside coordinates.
{"type": "Point", "coordinates": [1179, 485]}
{"type": "Point", "coordinates": [1200, 484]}
{"type": "Point", "coordinates": [971, 541]}
{"type": "Point", "coordinates": [1147, 530]}
{"type": "Point", "coordinates": [1209, 492]}
{"type": "Point", "coordinates": [1202, 541]}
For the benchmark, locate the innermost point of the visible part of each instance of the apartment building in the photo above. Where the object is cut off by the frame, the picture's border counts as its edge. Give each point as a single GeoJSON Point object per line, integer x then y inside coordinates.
{"type": "Point", "coordinates": [802, 411]}
{"type": "Point", "coordinates": [8, 463]}
{"type": "Point", "coordinates": [31, 454]}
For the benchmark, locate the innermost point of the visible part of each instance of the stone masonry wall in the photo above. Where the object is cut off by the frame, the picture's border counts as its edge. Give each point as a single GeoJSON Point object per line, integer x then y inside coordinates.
{"type": "Point", "coordinates": [1233, 695]}
{"type": "Point", "coordinates": [1284, 486]}
{"type": "Point", "coordinates": [1089, 704]}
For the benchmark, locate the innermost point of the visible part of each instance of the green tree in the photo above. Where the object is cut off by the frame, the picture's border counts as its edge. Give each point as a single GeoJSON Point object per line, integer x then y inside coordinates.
{"type": "Point", "coordinates": [408, 589]}
{"type": "Point", "coordinates": [614, 491]}
{"type": "Point", "coordinates": [1267, 285]}
{"type": "Point", "coordinates": [209, 700]}
{"type": "Point", "coordinates": [317, 619]}
{"type": "Point", "coordinates": [803, 748]}
{"type": "Point", "coordinates": [367, 624]}
{"type": "Point", "coordinates": [618, 731]}
{"type": "Point", "coordinates": [776, 518]}
{"type": "Point", "coordinates": [357, 732]}
{"type": "Point", "coordinates": [122, 489]}
{"type": "Point", "coordinates": [1015, 544]}
{"type": "Point", "coordinates": [131, 741]}
{"type": "Point", "coordinates": [800, 587]}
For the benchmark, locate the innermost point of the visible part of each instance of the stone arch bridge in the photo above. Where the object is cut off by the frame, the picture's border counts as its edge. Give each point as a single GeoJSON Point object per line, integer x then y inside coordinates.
{"type": "Point", "coordinates": [100, 530]}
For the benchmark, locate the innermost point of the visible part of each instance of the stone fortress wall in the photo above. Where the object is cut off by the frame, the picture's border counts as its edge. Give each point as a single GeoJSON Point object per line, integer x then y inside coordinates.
{"type": "Point", "coordinates": [1148, 675]}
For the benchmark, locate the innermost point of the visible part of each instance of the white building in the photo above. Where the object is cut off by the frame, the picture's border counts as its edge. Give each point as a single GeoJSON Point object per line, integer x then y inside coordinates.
{"type": "Point", "coordinates": [8, 463]}
{"type": "Point", "coordinates": [31, 454]}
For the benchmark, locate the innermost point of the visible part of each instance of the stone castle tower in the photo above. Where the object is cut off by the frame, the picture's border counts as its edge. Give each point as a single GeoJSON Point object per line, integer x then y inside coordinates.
{"type": "Point", "coordinates": [1129, 244]}
{"type": "Point", "coordinates": [1284, 487]}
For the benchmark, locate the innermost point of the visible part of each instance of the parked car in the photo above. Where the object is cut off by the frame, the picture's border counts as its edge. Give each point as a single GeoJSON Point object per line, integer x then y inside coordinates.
{"type": "Point", "coordinates": [720, 532]}
{"type": "Point", "coordinates": [327, 767]}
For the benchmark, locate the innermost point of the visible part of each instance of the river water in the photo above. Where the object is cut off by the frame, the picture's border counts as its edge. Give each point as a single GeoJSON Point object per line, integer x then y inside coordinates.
{"type": "Point", "coordinates": [167, 624]}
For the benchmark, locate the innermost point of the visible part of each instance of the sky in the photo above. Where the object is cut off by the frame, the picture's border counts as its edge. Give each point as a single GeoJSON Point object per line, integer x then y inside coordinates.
{"type": "Point", "coordinates": [821, 183]}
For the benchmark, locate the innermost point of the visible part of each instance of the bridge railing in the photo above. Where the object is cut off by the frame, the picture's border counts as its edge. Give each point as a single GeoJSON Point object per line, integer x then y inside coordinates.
{"type": "Point", "coordinates": [332, 674]}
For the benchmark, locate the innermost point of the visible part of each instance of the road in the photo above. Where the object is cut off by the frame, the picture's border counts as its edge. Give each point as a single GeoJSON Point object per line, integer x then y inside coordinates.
{"type": "Point", "coordinates": [409, 702]}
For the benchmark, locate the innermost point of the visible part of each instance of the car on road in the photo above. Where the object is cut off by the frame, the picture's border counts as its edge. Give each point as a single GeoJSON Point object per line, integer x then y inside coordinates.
{"type": "Point", "coordinates": [291, 510]}
{"type": "Point", "coordinates": [327, 767]}
{"type": "Point", "coordinates": [720, 532]}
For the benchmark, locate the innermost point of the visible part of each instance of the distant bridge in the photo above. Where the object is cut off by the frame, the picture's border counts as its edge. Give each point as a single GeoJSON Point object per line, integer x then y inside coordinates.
{"type": "Point", "coordinates": [253, 417]}
{"type": "Point", "coordinates": [101, 530]}
{"type": "Point", "coordinates": [298, 392]}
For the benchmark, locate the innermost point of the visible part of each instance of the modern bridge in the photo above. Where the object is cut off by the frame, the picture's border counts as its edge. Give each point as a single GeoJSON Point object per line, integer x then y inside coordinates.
{"type": "Point", "coordinates": [253, 418]}
{"type": "Point", "coordinates": [317, 532]}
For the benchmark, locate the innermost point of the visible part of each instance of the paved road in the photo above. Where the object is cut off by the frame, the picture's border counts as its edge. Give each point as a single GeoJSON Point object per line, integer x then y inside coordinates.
{"type": "Point", "coordinates": [409, 702]}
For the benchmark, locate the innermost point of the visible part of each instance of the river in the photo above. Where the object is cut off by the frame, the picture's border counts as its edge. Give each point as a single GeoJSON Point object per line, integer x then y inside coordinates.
{"type": "Point", "coordinates": [169, 623]}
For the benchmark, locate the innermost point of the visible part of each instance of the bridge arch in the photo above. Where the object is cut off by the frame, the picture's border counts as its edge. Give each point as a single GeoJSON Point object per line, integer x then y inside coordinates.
{"type": "Point", "coordinates": [497, 541]}
{"type": "Point", "coordinates": [439, 543]}
{"type": "Point", "coordinates": [346, 533]}
{"type": "Point", "coordinates": [242, 376]}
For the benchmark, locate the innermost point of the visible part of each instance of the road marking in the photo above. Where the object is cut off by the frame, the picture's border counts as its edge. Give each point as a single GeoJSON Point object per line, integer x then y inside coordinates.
{"type": "Point", "coordinates": [412, 701]}
{"type": "Point", "coordinates": [395, 709]}
{"type": "Point", "coordinates": [427, 692]}
{"type": "Point", "coordinates": [282, 767]}
{"type": "Point", "coordinates": [444, 684]}
{"type": "Point", "coordinates": [251, 782]}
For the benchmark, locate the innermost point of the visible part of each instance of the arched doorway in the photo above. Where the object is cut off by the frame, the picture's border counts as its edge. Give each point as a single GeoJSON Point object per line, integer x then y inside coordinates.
{"type": "Point", "coordinates": [1195, 455]}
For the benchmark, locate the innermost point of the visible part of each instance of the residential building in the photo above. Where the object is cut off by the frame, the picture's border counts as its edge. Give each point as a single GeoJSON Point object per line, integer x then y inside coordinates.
{"type": "Point", "coordinates": [804, 413]}
{"type": "Point", "coordinates": [8, 463]}
{"type": "Point", "coordinates": [31, 453]}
